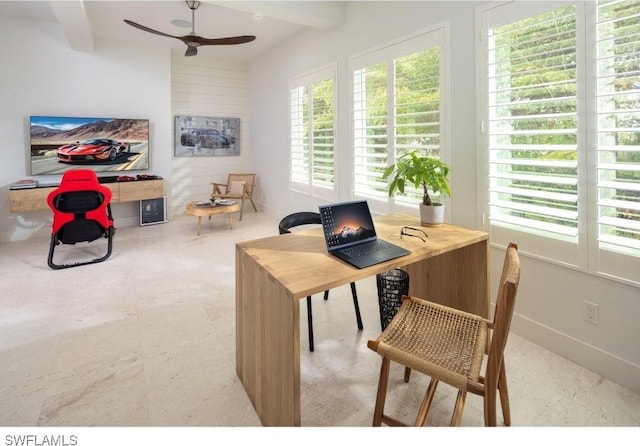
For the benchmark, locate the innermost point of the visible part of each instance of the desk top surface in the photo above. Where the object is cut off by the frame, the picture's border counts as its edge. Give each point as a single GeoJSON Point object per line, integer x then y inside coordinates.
{"type": "Point", "coordinates": [300, 260]}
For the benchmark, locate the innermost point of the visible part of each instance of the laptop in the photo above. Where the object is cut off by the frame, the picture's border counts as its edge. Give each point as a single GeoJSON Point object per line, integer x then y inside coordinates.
{"type": "Point", "coordinates": [350, 235]}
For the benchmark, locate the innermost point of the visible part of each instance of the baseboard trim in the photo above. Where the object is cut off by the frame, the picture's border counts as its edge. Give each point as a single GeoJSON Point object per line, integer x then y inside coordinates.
{"type": "Point", "coordinates": [599, 361]}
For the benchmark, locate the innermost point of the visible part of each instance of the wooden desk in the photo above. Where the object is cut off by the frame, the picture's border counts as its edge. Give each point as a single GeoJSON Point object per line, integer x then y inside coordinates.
{"type": "Point", "coordinates": [274, 273]}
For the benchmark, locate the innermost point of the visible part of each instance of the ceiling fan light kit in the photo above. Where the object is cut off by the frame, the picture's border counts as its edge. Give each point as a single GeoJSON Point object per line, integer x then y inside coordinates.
{"type": "Point", "coordinates": [181, 23]}
{"type": "Point", "coordinates": [192, 40]}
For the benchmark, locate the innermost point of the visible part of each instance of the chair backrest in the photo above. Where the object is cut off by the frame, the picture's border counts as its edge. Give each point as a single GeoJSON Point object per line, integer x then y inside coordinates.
{"type": "Point", "coordinates": [298, 219]}
{"type": "Point", "coordinates": [80, 207]}
{"type": "Point", "coordinates": [505, 304]}
{"type": "Point", "coordinates": [236, 183]}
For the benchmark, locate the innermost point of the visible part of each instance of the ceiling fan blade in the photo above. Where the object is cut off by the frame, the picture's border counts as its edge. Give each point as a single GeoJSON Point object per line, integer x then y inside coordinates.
{"type": "Point", "coordinates": [222, 41]}
{"type": "Point", "coordinates": [192, 40]}
{"type": "Point", "coordinates": [149, 30]}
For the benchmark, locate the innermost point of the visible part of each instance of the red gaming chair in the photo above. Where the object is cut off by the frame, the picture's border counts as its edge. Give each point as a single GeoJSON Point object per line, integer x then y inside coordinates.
{"type": "Point", "coordinates": [81, 213]}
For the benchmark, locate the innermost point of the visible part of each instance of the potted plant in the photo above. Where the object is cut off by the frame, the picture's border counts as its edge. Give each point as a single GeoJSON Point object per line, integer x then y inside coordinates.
{"type": "Point", "coordinates": [426, 171]}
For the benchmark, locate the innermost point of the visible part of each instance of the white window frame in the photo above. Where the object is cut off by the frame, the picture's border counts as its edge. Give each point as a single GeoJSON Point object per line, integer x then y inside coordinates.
{"type": "Point", "coordinates": [309, 186]}
{"type": "Point", "coordinates": [435, 36]}
{"type": "Point", "coordinates": [586, 253]}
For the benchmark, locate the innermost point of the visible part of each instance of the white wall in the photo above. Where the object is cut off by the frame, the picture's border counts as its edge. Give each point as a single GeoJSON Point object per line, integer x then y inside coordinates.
{"type": "Point", "coordinates": [205, 86]}
{"type": "Point", "coordinates": [41, 75]}
{"type": "Point", "coordinates": [549, 307]}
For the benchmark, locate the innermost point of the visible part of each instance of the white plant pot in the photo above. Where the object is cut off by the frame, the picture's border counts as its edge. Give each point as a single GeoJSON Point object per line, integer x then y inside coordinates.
{"type": "Point", "coordinates": [431, 215]}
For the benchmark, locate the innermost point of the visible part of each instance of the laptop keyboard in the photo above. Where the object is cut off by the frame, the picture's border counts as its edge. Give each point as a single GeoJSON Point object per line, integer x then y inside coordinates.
{"type": "Point", "coordinates": [364, 249]}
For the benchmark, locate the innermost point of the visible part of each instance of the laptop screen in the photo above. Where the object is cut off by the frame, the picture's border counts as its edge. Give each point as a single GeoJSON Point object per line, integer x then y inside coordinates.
{"type": "Point", "coordinates": [346, 223]}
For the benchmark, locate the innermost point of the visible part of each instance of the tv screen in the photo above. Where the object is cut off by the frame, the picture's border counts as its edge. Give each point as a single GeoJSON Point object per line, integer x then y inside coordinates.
{"type": "Point", "coordinates": [101, 144]}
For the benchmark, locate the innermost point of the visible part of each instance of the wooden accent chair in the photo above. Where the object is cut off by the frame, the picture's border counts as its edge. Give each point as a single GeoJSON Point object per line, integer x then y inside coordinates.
{"type": "Point", "coordinates": [449, 345]}
{"type": "Point", "coordinates": [313, 218]}
{"type": "Point", "coordinates": [239, 186]}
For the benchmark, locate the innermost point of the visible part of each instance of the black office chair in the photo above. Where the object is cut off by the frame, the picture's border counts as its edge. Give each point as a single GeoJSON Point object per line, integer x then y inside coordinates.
{"type": "Point", "coordinates": [312, 218]}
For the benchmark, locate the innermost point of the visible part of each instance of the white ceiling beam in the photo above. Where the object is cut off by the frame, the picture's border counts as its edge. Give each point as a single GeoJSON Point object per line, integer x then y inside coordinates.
{"type": "Point", "coordinates": [316, 14]}
{"type": "Point", "coordinates": [75, 24]}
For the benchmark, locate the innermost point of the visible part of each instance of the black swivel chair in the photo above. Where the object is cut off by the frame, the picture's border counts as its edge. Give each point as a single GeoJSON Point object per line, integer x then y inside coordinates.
{"type": "Point", "coordinates": [311, 218]}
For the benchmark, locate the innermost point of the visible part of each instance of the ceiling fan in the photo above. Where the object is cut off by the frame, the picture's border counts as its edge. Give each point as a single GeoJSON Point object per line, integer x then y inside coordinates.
{"type": "Point", "coordinates": [192, 40]}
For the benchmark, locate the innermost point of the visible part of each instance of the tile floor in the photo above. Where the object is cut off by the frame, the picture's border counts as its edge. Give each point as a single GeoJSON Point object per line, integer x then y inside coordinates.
{"type": "Point", "coordinates": [147, 339]}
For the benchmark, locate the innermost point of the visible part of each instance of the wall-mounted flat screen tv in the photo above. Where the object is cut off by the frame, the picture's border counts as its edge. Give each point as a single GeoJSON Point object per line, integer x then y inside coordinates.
{"type": "Point", "coordinates": [101, 144]}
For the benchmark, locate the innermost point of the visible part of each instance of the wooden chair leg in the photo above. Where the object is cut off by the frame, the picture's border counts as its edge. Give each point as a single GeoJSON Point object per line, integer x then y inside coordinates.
{"type": "Point", "coordinates": [310, 323]}
{"type": "Point", "coordinates": [354, 294]}
{"type": "Point", "coordinates": [383, 381]}
{"type": "Point", "coordinates": [253, 204]}
{"type": "Point", "coordinates": [407, 374]}
{"type": "Point", "coordinates": [504, 395]}
{"type": "Point", "coordinates": [241, 208]}
{"type": "Point", "coordinates": [489, 405]}
{"type": "Point", "coordinates": [456, 418]}
{"type": "Point", "coordinates": [426, 402]}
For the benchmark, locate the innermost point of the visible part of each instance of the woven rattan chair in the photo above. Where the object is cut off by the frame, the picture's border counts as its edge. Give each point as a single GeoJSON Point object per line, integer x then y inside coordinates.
{"type": "Point", "coordinates": [239, 186]}
{"type": "Point", "coordinates": [313, 218]}
{"type": "Point", "coordinates": [449, 346]}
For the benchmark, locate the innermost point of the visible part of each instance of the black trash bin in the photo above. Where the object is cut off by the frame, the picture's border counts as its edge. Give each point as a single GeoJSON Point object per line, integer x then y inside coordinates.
{"type": "Point", "coordinates": [392, 285]}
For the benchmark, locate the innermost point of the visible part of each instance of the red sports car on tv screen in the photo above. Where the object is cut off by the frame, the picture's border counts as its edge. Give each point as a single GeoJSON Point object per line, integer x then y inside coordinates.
{"type": "Point", "coordinates": [96, 149]}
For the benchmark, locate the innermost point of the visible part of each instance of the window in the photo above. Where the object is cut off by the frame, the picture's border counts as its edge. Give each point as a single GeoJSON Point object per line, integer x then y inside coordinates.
{"type": "Point", "coordinates": [313, 120]}
{"type": "Point", "coordinates": [618, 124]}
{"type": "Point", "coordinates": [398, 107]}
{"type": "Point", "coordinates": [562, 131]}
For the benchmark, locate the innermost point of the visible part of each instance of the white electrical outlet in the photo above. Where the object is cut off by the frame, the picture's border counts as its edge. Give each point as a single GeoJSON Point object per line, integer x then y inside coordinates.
{"type": "Point", "coordinates": [590, 313]}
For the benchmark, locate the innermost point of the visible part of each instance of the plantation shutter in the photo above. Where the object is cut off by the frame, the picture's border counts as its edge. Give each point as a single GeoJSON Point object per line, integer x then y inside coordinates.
{"type": "Point", "coordinates": [322, 147]}
{"type": "Point", "coordinates": [370, 127]}
{"type": "Point", "coordinates": [312, 134]}
{"type": "Point", "coordinates": [532, 123]}
{"type": "Point", "coordinates": [300, 159]}
{"type": "Point", "coordinates": [618, 124]}
{"type": "Point", "coordinates": [417, 110]}
{"type": "Point", "coordinates": [397, 109]}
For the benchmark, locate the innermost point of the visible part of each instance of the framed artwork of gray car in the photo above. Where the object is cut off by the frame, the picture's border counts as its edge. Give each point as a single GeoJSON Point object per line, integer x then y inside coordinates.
{"type": "Point", "coordinates": [206, 136]}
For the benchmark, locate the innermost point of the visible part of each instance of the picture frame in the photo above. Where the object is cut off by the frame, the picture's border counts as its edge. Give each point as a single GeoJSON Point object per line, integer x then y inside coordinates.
{"type": "Point", "coordinates": [206, 136]}
{"type": "Point", "coordinates": [153, 211]}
